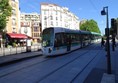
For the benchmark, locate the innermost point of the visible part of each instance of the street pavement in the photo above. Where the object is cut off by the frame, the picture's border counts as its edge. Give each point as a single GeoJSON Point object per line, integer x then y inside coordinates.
{"type": "Point", "coordinates": [8, 59]}
{"type": "Point", "coordinates": [99, 72]}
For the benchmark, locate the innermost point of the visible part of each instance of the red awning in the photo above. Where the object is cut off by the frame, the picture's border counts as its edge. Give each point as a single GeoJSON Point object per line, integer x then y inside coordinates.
{"type": "Point", "coordinates": [15, 35]}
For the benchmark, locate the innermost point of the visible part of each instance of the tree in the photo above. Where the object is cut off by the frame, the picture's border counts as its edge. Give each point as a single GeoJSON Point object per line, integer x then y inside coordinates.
{"type": "Point", "coordinates": [90, 25]}
{"type": "Point", "coordinates": [5, 12]}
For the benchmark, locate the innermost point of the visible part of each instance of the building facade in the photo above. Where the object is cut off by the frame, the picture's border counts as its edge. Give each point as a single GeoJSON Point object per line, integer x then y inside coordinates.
{"type": "Point", "coordinates": [82, 21]}
{"type": "Point", "coordinates": [53, 15]}
{"type": "Point", "coordinates": [30, 25]}
{"type": "Point", "coordinates": [13, 23]}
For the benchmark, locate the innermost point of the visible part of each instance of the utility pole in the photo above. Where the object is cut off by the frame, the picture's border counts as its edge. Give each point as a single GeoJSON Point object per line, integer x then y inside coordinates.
{"type": "Point", "coordinates": [103, 12]}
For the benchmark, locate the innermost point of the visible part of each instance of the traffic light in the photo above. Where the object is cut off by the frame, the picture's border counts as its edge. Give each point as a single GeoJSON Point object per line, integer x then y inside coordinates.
{"type": "Point", "coordinates": [112, 22]}
{"type": "Point", "coordinates": [114, 25]}
{"type": "Point", "coordinates": [111, 31]}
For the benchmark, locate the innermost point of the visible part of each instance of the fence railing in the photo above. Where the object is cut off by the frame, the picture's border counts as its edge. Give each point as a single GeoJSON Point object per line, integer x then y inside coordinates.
{"type": "Point", "coordinates": [16, 50]}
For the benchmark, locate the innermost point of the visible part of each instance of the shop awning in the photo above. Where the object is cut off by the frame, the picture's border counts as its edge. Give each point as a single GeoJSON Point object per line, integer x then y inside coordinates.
{"type": "Point", "coordinates": [15, 35]}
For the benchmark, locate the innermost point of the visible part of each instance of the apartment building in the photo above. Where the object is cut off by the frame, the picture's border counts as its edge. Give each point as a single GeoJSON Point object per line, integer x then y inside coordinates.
{"type": "Point", "coordinates": [13, 23]}
{"type": "Point", "coordinates": [53, 15]}
{"type": "Point", "coordinates": [30, 25]}
{"type": "Point", "coordinates": [82, 21]}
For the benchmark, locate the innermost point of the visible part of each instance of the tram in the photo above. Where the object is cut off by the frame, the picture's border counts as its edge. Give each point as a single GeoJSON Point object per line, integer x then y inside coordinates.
{"type": "Point", "coordinates": [58, 40]}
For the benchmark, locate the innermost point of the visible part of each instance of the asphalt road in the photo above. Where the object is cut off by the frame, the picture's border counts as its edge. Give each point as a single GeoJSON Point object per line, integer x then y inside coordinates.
{"type": "Point", "coordinates": [74, 67]}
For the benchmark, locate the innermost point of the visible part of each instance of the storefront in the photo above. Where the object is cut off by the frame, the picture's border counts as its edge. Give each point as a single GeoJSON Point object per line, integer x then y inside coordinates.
{"type": "Point", "coordinates": [14, 39]}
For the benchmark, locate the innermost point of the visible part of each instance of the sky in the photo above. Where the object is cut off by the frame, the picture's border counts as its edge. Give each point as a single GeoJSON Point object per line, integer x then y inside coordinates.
{"type": "Point", "coordinates": [83, 9]}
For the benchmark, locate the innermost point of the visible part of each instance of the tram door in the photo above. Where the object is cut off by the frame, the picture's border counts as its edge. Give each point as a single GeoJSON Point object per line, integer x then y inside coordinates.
{"type": "Point", "coordinates": [68, 42]}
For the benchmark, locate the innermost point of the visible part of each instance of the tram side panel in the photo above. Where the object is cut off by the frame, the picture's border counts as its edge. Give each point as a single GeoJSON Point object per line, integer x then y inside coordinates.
{"type": "Point", "coordinates": [60, 43]}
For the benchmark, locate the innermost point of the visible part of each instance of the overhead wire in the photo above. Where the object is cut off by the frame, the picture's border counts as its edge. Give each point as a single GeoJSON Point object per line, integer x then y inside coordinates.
{"type": "Point", "coordinates": [96, 9]}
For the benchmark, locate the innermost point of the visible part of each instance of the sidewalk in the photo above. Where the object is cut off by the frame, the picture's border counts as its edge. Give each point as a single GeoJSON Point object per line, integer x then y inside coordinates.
{"type": "Point", "coordinates": [99, 72]}
{"type": "Point", "coordinates": [8, 59]}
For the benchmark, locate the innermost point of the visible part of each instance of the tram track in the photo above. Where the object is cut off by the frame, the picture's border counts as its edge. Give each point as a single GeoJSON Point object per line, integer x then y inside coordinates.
{"type": "Point", "coordinates": [44, 60]}
{"type": "Point", "coordinates": [58, 69]}
{"type": "Point", "coordinates": [25, 67]}
{"type": "Point", "coordinates": [33, 64]}
{"type": "Point", "coordinates": [66, 65]}
{"type": "Point", "coordinates": [72, 81]}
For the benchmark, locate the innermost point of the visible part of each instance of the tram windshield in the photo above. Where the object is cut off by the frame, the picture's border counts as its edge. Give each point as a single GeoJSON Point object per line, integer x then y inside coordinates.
{"type": "Point", "coordinates": [47, 37]}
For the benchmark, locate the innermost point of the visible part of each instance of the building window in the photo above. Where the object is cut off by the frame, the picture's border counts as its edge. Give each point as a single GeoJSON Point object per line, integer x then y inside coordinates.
{"type": "Point", "coordinates": [51, 23]}
{"type": "Point", "coordinates": [45, 18]}
{"type": "Point", "coordinates": [51, 18]}
{"type": "Point", "coordinates": [45, 23]}
{"type": "Point", "coordinates": [56, 23]}
{"type": "Point", "coordinates": [21, 18]}
{"type": "Point", "coordinates": [44, 12]}
{"type": "Point", "coordinates": [56, 18]}
{"type": "Point", "coordinates": [60, 17]}
{"type": "Point", "coordinates": [37, 24]}
{"type": "Point", "coordinates": [14, 12]}
{"type": "Point", "coordinates": [13, 21]}
{"type": "Point", "coordinates": [56, 12]}
{"type": "Point", "coordinates": [14, 30]}
{"type": "Point", "coordinates": [13, 0]}
{"type": "Point", "coordinates": [40, 29]}
{"type": "Point", "coordinates": [35, 29]}
{"type": "Point", "coordinates": [36, 35]}
{"type": "Point", "coordinates": [13, 4]}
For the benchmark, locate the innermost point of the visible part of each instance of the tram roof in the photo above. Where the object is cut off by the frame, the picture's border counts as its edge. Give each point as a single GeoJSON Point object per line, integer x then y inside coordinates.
{"type": "Point", "coordinates": [60, 29]}
{"type": "Point", "coordinates": [96, 33]}
{"type": "Point", "coordinates": [85, 32]}
{"type": "Point", "coordinates": [66, 30]}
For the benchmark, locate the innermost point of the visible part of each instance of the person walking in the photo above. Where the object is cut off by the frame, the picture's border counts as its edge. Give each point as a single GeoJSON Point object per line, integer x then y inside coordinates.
{"type": "Point", "coordinates": [102, 42]}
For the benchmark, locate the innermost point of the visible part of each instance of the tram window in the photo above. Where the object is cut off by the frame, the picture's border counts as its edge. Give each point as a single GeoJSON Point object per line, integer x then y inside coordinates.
{"type": "Point", "coordinates": [77, 37]}
{"type": "Point", "coordinates": [59, 39]}
{"type": "Point", "coordinates": [73, 38]}
{"type": "Point", "coordinates": [86, 37]}
{"type": "Point", "coordinates": [47, 37]}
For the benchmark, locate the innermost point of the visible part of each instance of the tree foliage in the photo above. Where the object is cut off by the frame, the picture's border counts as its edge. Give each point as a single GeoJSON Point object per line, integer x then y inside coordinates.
{"type": "Point", "coordinates": [90, 25]}
{"type": "Point", "coordinates": [5, 12]}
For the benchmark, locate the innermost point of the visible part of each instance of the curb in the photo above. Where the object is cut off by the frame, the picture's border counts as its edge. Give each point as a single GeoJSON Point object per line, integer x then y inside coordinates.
{"type": "Point", "coordinates": [108, 78]}
{"type": "Point", "coordinates": [17, 60]}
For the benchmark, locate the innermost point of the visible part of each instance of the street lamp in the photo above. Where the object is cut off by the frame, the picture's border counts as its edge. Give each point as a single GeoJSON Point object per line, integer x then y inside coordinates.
{"type": "Point", "coordinates": [103, 12]}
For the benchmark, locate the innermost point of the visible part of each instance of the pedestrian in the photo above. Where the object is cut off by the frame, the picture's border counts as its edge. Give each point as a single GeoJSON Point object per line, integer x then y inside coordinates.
{"type": "Point", "coordinates": [102, 42]}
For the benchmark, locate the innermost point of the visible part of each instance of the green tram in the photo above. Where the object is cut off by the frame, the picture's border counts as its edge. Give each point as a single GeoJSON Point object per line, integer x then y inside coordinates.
{"type": "Point", "coordinates": [58, 40]}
